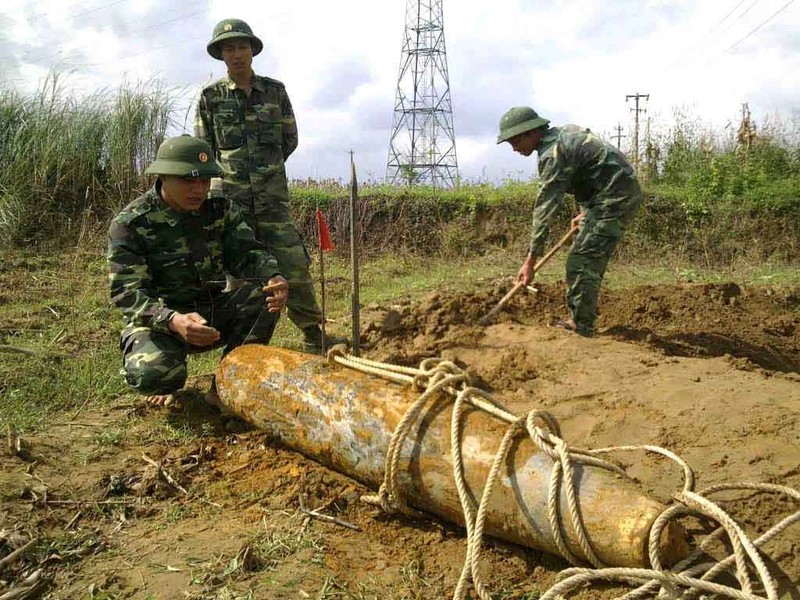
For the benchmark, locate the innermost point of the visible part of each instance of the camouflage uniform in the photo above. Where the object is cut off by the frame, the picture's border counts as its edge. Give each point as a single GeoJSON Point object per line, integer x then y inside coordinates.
{"type": "Point", "coordinates": [574, 160]}
{"type": "Point", "coordinates": [162, 261]}
{"type": "Point", "coordinates": [252, 136]}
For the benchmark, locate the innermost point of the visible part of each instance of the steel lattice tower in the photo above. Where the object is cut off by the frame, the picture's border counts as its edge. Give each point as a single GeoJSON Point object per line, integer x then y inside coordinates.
{"type": "Point", "coordinates": [422, 146]}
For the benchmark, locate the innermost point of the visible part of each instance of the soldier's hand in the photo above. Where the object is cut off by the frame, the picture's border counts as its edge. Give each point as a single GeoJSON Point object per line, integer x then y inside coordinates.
{"type": "Point", "coordinates": [578, 219]}
{"type": "Point", "coordinates": [526, 272]}
{"type": "Point", "coordinates": [277, 291]}
{"type": "Point", "coordinates": [192, 328]}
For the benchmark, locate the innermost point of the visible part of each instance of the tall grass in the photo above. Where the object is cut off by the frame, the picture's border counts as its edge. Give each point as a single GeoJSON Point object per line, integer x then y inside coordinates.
{"type": "Point", "coordinates": [138, 121]}
{"type": "Point", "coordinates": [709, 168]}
{"type": "Point", "coordinates": [62, 157]}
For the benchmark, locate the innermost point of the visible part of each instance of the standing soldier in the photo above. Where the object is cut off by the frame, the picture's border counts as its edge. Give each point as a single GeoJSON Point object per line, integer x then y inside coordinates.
{"type": "Point", "coordinates": [574, 160]}
{"type": "Point", "coordinates": [248, 120]}
{"type": "Point", "coordinates": [168, 253]}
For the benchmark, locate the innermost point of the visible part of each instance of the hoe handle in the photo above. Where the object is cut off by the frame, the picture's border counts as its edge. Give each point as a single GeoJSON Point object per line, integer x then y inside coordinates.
{"type": "Point", "coordinates": [517, 286]}
{"type": "Point", "coordinates": [559, 244]}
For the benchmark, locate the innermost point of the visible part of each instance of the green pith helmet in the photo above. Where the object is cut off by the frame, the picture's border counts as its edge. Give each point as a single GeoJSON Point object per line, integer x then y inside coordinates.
{"type": "Point", "coordinates": [518, 120]}
{"type": "Point", "coordinates": [185, 156]}
{"type": "Point", "coordinates": [229, 29]}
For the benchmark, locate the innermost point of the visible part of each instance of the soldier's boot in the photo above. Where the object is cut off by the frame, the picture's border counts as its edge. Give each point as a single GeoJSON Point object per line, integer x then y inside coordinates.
{"type": "Point", "coordinates": [312, 340]}
{"type": "Point", "coordinates": [566, 324]}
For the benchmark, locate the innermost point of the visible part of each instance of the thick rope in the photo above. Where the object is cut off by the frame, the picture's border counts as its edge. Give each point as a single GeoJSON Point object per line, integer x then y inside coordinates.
{"type": "Point", "coordinates": [578, 577]}
{"type": "Point", "coordinates": [435, 375]}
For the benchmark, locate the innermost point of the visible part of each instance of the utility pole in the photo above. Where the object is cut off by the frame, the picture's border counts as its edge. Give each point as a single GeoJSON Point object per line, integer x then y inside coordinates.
{"type": "Point", "coordinates": [636, 97]}
{"type": "Point", "coordinates": [422, 145]}
{"type": "Point", "coordinates": [619, 135]}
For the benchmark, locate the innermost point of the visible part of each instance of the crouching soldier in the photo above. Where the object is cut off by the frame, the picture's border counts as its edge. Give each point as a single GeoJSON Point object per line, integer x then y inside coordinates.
{"type": "Point", "coordinates": [168, 254]}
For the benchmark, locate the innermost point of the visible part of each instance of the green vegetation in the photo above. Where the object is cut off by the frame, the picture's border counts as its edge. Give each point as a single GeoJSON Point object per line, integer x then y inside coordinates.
{"type": "Point", "coordinates": [55, 308]}
{"type": "Point", "coordinates": [702, 169]}
{"type": "Point", "coordinates": [68, 164]}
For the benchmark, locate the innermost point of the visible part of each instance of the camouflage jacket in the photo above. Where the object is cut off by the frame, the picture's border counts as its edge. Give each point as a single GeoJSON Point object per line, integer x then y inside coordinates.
{"type": "Point", "coordinates": [161, 260]}
{"type": "Point", "coordinates": [252, 136]}
{"type": "Point", "coordinates": [574, 160]}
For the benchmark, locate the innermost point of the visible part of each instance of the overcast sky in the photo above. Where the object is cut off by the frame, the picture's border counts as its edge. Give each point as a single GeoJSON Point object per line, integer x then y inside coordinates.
{"type": "Point", "coordinates": [572, 60]}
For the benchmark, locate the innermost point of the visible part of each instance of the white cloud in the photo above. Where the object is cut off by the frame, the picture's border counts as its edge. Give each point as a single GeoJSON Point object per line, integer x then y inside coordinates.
{"type": "Point", "coordinates": [573, 60]}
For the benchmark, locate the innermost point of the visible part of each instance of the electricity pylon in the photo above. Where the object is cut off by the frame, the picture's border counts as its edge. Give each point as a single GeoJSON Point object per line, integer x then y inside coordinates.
{"type": "Point", "coordinates": [422, 145]}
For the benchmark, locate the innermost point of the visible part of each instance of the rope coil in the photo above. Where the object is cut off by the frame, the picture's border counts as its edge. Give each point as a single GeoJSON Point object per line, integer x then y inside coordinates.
{"type": "Point", "coordinates": [435, 375]}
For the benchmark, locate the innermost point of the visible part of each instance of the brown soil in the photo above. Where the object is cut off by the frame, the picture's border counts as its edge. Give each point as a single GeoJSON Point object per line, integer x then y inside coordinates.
{"type": "Point", "coordinates": [709, 371]}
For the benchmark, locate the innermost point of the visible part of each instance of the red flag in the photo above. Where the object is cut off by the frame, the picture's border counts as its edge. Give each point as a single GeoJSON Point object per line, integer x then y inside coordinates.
{"type": "Point", "coordinates": [325, 241]}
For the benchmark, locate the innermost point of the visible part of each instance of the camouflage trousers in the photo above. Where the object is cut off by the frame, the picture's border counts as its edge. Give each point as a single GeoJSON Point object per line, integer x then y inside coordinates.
{"type": "Point", "coordinates": [588, 259]}
{"type": "Point", "coordinates": [155, 363]}
{"type": "Point", "coordinates": [283, 241]}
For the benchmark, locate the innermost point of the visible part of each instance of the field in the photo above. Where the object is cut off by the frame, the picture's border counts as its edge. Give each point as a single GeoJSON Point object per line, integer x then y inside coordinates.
{"type": "Point", "coordinates": [105, 497]}
{"type": "Point", "coordinates": [704, 363]}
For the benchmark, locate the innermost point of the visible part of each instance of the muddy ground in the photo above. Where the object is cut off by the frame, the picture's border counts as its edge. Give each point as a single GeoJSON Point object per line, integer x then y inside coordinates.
{"type": "Point", "coordinates": [710, 371]}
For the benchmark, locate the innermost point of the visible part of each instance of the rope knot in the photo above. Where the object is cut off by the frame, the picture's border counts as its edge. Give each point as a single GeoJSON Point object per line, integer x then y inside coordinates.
{"type": "Point", "coordinates": [420, 382]}
{"type": "Point", "coordinates": [337, 350]}
{"type": "Point", "coordinates": [385, 500]}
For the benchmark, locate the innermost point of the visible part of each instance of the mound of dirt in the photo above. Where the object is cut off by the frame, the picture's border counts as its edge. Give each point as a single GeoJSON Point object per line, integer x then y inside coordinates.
{"type": "Point", "coordinates": [759, 326]}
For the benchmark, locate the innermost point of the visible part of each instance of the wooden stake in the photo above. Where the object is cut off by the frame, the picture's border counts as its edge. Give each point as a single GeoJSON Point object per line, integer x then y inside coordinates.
{"type": "Point", "coordinates": [322, 285]}
{"type": "Point", "coordinates": [354, 237]}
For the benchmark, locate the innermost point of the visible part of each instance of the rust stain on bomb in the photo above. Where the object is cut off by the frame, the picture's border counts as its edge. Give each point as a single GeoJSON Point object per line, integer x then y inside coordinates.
{"type": "Point", "coordinates": [345, 419]}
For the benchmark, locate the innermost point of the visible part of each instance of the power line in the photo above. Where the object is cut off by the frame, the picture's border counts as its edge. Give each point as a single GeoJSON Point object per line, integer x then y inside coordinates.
{"type": "Point", "coordinates": [97, 8]}
{"type": "Point", "coordinates": [127, 34]}
{"type": "Point", "coordinates": [681, 60]}
{"type": "Point", "coordinates": [726, 16]}
{"type": "Point", "coordinates": [772, 16]}
{"type": "Point", "coordinates": [147, 50]}
{"type": "Point", "coordinates": [710, 55]}
{"type": "Point", "coordinates": [33, 15]}
{"type": "Point", "coordinates": [711, 59]}
{"type": "Point", "coordinates": [152, 26]}
{"type": "Point", "coordinates": [742, 14]}
{"type": "Point", "coordinates": [80, 65]}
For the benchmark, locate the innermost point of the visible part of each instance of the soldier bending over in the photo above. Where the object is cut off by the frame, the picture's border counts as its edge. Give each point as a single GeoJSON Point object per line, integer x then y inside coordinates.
{"type": "Point", "coordinates": [574, 160]}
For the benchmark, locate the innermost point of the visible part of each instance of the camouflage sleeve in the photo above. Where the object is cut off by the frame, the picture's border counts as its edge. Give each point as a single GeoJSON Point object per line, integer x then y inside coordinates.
{"type": "Point", "coordinates": [130, 282]}
{"type": "Point", "coordinates": [290, 139]}
{"type": "Point", "coordinates": [203, 121]}
{"type": "Point", "coordinates": [243, 255]}
{"type": "Point", "coordinates": [555, 175]}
